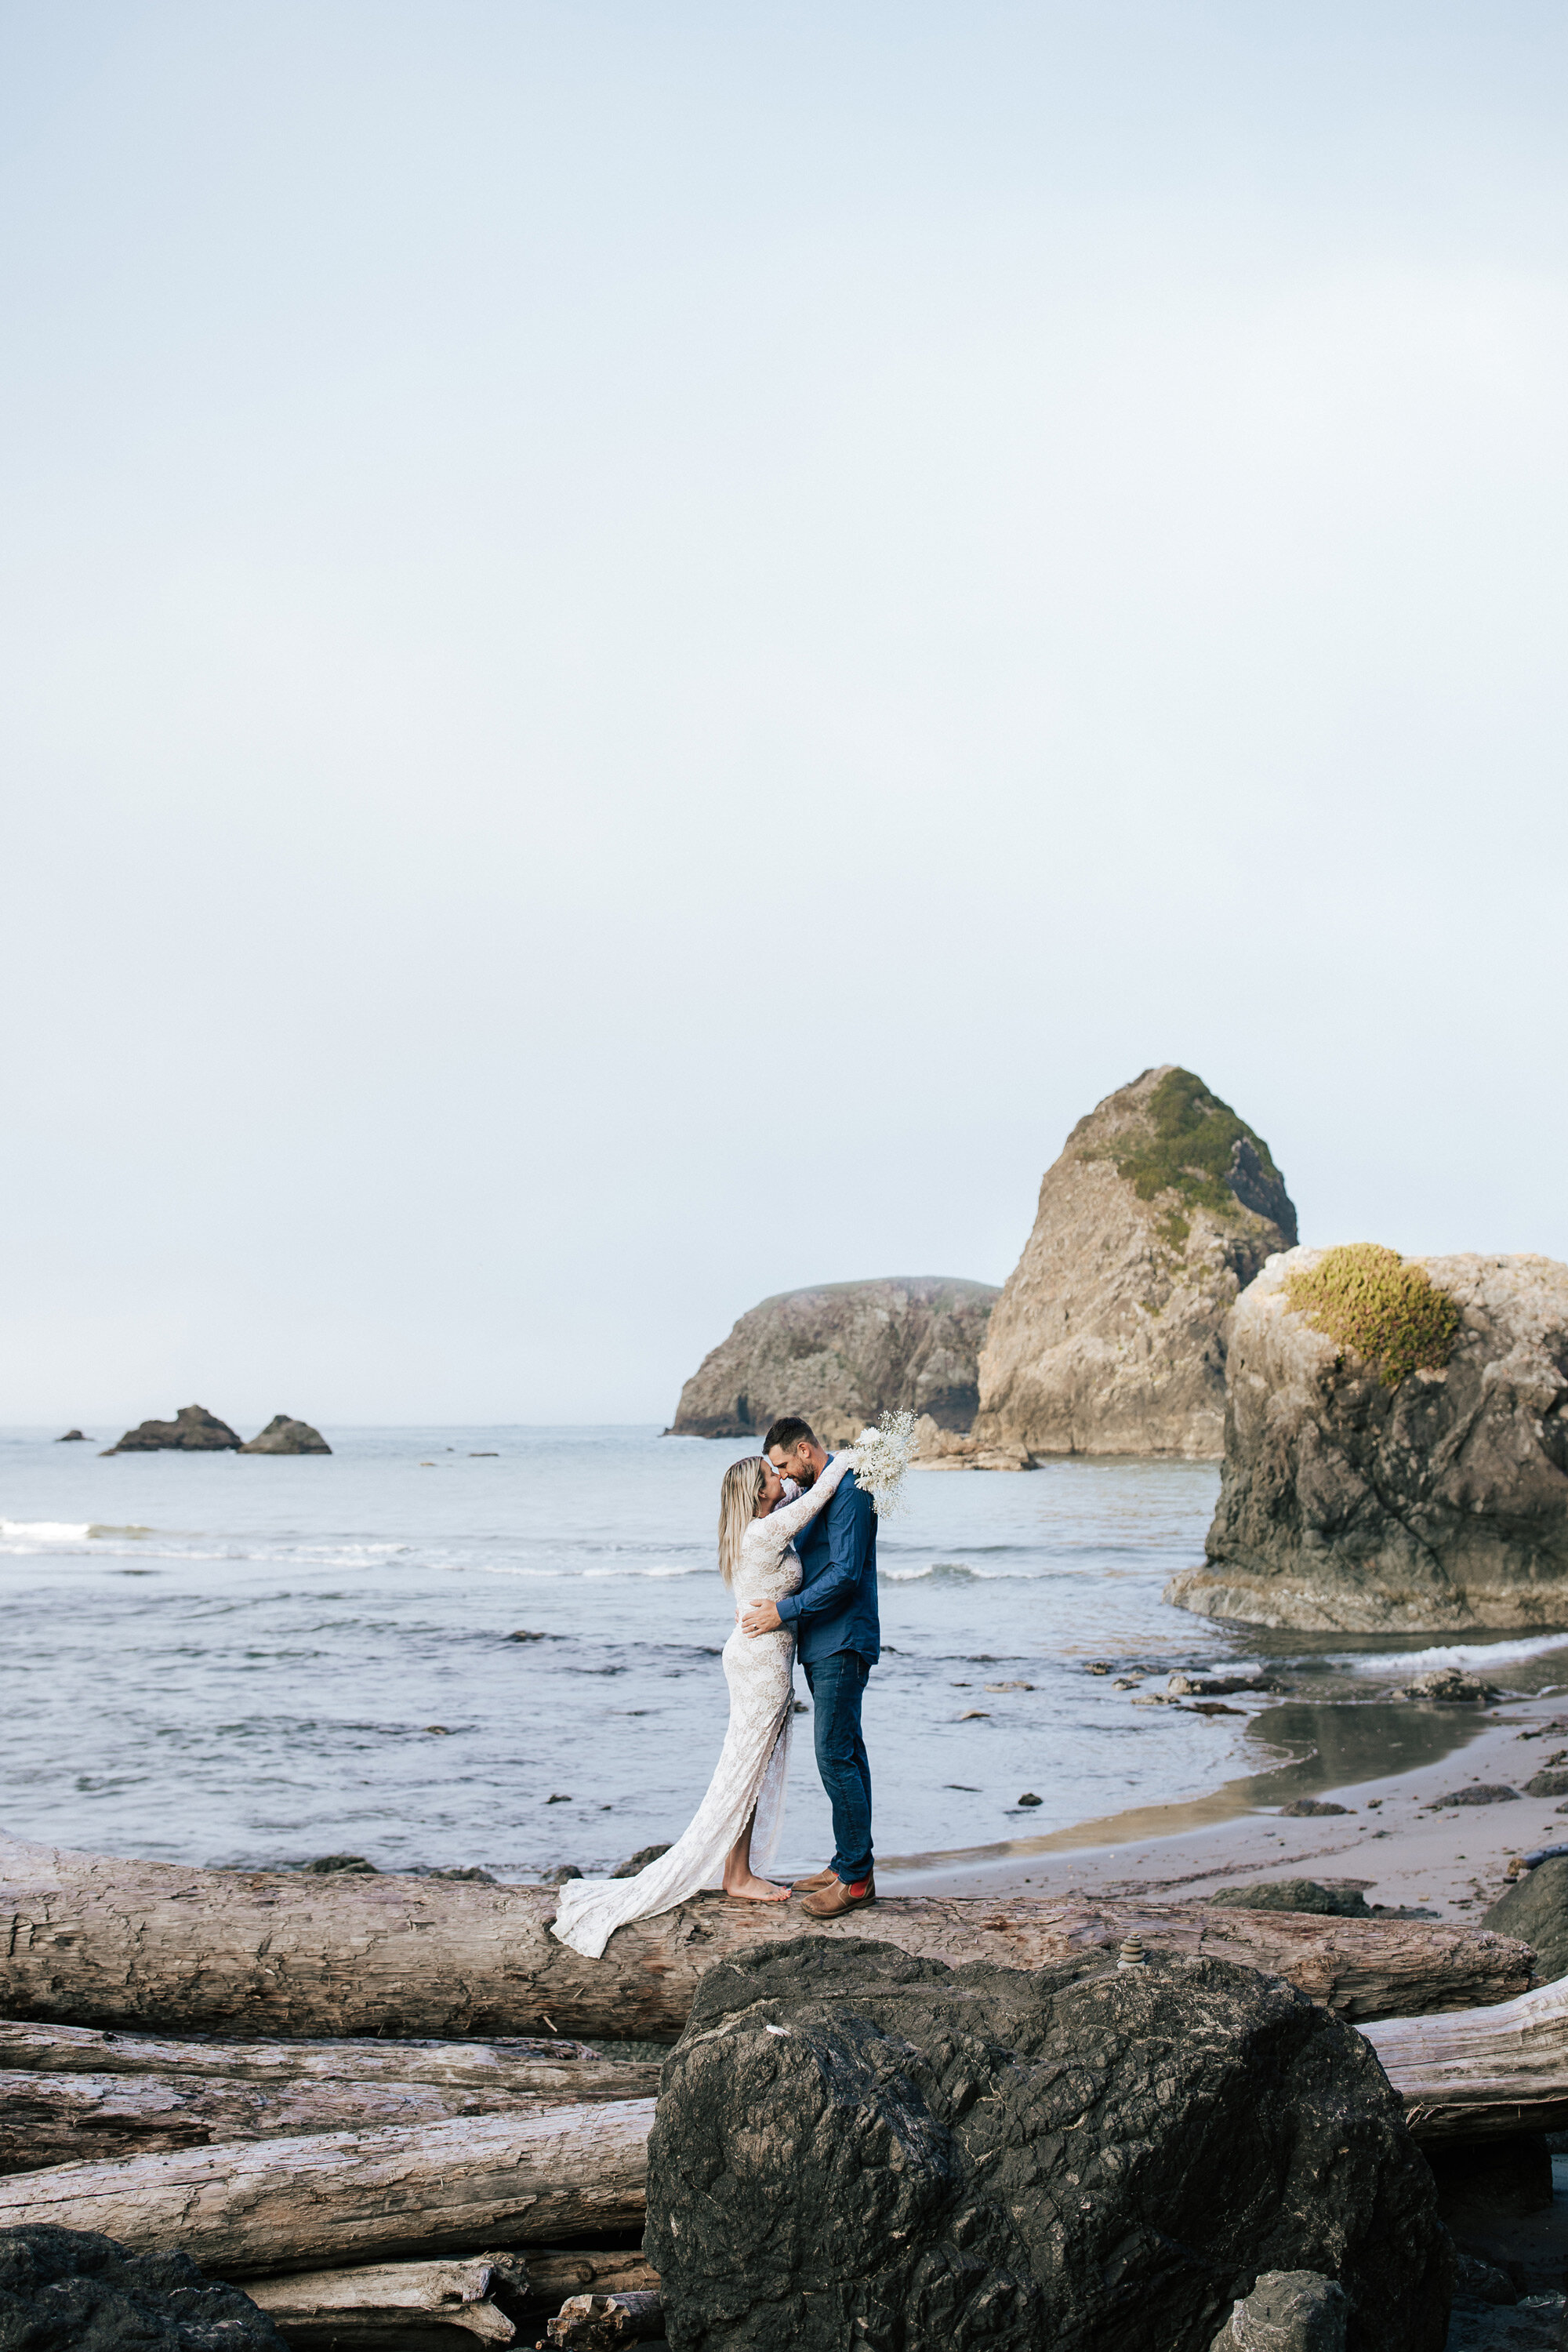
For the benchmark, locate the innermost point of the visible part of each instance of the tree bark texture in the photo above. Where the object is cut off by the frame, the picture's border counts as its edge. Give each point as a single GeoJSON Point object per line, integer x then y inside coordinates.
{"type": "Point", "coordinates": [1484, 2074]}
{"type": "Point", "coordinates": [95, 1941]}
{"type": "Point", "coordinates": [70, 2118]}
{"type": "Point", "coordinates": [342, 2199]}
{"type": "Point", "coordinates": [541, 2069]}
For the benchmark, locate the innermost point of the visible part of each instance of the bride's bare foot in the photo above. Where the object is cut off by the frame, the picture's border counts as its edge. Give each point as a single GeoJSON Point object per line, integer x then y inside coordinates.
{"type": "Point", "coordinates": [756, 1890]}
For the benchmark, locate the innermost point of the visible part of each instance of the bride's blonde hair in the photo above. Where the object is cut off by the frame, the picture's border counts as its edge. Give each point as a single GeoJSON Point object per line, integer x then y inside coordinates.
{"type": "Point", "coordinates": [738, 1498]}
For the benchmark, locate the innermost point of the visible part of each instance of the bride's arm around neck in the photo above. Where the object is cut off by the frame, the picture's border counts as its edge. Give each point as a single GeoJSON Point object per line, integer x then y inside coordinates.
{"type": "Point", "coordinates": [785, 1524]}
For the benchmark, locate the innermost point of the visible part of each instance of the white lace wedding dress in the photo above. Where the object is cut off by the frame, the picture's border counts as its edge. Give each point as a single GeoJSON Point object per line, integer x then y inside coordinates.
{"type": "Point", "coordinates": [754, 1763]}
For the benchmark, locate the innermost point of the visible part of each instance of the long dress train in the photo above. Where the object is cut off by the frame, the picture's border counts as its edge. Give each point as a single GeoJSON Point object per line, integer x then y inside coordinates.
{"type": "Point", "coordinates": [753, 1764]}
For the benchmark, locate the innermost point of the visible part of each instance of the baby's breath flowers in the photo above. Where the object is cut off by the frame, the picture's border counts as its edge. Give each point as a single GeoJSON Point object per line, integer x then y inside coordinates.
{"type": "Point", "coordinates": [881, 1457]}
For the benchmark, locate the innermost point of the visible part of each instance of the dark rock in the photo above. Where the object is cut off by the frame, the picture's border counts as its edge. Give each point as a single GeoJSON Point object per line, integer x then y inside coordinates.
{"type": "Point", "coordinates": [1288, 2311]}
{"type": "Point", "coordinates": [1295, 1894]}
{"type": "Point", "coordinates": [1478, 2281]}
{"type": "Point", "coordinates": [1481, 1792]}
{"type": "Point", "coordinates": [522, 1634]}
{"type": "Point", "coordinates": [1535, 1908]}
{"type": "Point", "coordinates": [194, 1430]}
{"type": "Point", "coordinates": [75, 2291]}
{"type": "Point", "coordinates": [475, 1877]}
{"type": "Point", "coordinates": [841, 1355]}
{"type": "Point", "coordinates": [332, 1865]}
{"type": "Point", "coordinates": [1030, 1798]}
{"type": "Point", "coordinates": [73, 1438]}
{"type": "Point", "coordinates": [1548, 1784]}
{"type": "Point", "coordinates": [1448, 1686]}
{"type": "Point", "coordinates": [856, 2146]}
{"type": "Point", "coordinates": [1396, 1447]}
{"type": "Point", "coordinates": [1309, 1809]}
{"type": "Point", "coordinates": [1220, 1685]}
{"type": "Point", "coordinates": [639, 1861]}
{"type": "Point", "coordinates": [560, 1875]}
{"type": "Point", "coordinates": [282, 1435]}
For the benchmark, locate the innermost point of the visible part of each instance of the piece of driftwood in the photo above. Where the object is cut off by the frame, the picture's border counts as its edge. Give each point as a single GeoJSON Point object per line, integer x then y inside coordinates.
{"type": "Point", "coordinates": [78, 2118]}
{"type": "Point", "coordinates": [344, 2199]}
{"type": "Point", "coordinates": [1485, 2072]}
{"type": "Point", "coordinates": [601, 2323]}
{"type": "Point", "coordinates": [92, 1939]}
{"type": "Point", "coordinates": [535, 2067]}
{"type": "Point", "coordinates": [397, 2303]}
{"type": "Point", "coordinates": [556, 2272]}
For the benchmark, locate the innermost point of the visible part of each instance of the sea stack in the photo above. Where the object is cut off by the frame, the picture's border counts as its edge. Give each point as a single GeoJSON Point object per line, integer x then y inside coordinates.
{"type": "Point", "coordinates": [1397, 1446]}
{"type": "Point", "coordinates": [841, 1354]}
{"type": "Point", "coordinates": [1109, 1336]}
{"type": "Point", "coordinates": [194, 1430]}
{"type": "Point", "coordinates": [282, 1435]}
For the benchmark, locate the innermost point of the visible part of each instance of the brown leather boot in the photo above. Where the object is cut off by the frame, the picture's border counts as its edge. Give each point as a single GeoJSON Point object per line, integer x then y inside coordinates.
{"type": "Point", "coordinates": [834, 1900]}
{"type": "Point", "coordinates": [815, 1883]}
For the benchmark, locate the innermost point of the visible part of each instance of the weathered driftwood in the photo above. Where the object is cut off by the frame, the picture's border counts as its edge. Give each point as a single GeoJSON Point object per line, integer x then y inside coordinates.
{"type": "Point", "coordinates": [95, 1941]}
{"type": "Point", "coordinates": [601, 2323]}
{"type": "Point", "coordinates": [350, 2198]}
{"type": "Point", "coordinates": [537, 2068]}
{"type": "Point", "coordinates": [557, 2271]}
{"type": "Point", "coordinates": [1483, 2074]}
{"type": "Point", "coordinates": [76, 2118]}
{"type": "Point", "coordinates": [393, 2302]}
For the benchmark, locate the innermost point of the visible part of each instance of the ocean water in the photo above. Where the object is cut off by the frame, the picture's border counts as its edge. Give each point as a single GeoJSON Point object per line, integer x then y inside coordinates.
{"type": "Point", "coordinates": [226, 1660]}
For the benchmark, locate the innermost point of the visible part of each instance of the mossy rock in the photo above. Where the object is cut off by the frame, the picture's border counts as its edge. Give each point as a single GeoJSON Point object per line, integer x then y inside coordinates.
{"type": "Point", "coordinates": [1367, 1299]}
{"type": "Point", "coordinates": [1190, 1149]}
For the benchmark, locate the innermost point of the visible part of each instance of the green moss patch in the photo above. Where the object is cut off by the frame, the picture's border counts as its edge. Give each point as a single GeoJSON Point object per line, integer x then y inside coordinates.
{"type": "Point", "coordinates": [1187, 1149]}
{"type": "Point", "coordinates": [1390, 1314]}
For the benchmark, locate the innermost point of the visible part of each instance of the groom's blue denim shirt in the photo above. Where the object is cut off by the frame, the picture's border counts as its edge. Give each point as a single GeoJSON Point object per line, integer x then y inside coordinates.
{"type": "Point", "coordinates": [835, 1607]}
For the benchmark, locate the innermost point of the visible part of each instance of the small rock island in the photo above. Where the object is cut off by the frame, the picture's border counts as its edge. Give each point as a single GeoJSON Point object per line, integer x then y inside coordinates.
{"type": "Point", "coordinates": [841, 1354]}
{"type": "Point", "coordinates": [1109, 1336]}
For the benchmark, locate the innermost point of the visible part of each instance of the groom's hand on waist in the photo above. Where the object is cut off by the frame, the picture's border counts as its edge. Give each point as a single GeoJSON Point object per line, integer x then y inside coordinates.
{"type": "Point", "coordinates": [761, 1617]}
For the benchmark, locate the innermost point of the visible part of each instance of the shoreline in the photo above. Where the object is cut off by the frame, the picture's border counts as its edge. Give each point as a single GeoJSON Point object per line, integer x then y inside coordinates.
{"type": "Point", "coordinates": [1450, 1864]}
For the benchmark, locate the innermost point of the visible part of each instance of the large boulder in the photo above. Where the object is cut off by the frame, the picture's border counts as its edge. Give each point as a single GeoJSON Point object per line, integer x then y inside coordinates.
{"type": "Point", "coordinates": [841, 1355]}
{"type": "Point", "coordinates": [1397, 1446]}
{"type": "Point", "coordinates": [1535, 1909]}
{"type": "Point", "coordinates": [75, 2291]}
{"type": "Point", "coordinates": [1108, 1337]}
{"type": "Point", "coordinates": [282, 1435]}
{"type": "Point", "coordinates": [194, 1430]}
{"type": "Point", "coordinates": [854, 2147]}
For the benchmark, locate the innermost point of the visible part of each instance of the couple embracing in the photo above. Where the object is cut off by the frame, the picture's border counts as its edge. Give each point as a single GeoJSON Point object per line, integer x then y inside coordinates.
{"type": "Point", "coordinates": [798, 1547]}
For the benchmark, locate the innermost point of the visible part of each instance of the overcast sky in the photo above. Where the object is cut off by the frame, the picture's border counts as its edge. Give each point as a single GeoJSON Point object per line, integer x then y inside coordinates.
{"type": "Point", "coordinates": [648, 641]}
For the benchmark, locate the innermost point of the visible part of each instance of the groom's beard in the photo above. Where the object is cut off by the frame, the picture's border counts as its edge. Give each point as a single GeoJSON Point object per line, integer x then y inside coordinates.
{"type": "Point", "coordinates": [805, 1476]}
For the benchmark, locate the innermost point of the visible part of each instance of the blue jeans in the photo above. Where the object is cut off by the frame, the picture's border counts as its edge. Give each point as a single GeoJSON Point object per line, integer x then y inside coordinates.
{"type": "Point", "coordinates": [837, 1686]}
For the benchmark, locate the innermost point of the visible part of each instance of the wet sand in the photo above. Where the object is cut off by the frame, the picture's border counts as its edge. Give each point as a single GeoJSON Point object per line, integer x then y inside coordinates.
{"type": "Point", "coordinates": [1387, 1762]}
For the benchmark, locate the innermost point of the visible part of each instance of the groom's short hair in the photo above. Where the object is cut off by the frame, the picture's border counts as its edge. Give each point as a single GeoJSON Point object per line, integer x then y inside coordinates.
{"type": "Point", "coordinates": [787, 1434]}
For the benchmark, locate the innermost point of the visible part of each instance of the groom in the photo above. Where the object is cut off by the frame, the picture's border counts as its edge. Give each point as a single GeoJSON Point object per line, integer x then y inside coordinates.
{"type": "Point", "coordinates": [835, 1616]}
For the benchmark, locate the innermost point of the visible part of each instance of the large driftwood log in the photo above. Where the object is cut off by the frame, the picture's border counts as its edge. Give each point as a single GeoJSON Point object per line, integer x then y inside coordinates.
{"type": "Point", "coordinates": [72, 2118]}
{"type": "Point", "coordinates": [94, 1940]}
{"type": "Point", "coordinates": [70, 2093]}
{"type": "Point", "coordinates": [541, 2069]}
{"type": "Point", "coordinates": [351, 2198]}
{"type": "Point", "coordinates": [397, 2303]}
{"type": "Point", "coordinates": [1485, 2072]}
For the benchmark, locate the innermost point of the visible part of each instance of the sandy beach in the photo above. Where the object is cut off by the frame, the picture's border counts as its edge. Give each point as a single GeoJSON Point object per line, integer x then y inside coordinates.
{"type": "Point", "coordinates": [1395, 1839]}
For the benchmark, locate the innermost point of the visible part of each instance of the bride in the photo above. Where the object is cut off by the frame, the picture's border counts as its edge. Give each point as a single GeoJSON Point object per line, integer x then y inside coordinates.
{"type": "Point", "coordinates": [758, 1560]}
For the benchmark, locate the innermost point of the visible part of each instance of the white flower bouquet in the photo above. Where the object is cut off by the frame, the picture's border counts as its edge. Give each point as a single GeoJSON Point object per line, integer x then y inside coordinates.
{"type": "Point", "coordinates": [881, 1457]}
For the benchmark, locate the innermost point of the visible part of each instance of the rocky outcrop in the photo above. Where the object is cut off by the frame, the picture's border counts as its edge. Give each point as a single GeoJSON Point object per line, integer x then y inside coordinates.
{"type": "Point", "coordinates": [841, 1355]}
{"type": "Point", "coordinates": [1108, 1337]}
{"type": "Point", "coordinates": [282, 1435]}
{"type": "Point", "coordinates": [76, 2287]}
{"type": "Point", "coordinates": [194, 1430]}
{"type": "Point", "coordinates": [953, 1449]}
{"type": "Point", "coordinates": [1418, 1481]}
{"type": "Point", "coordinates": [853, 2145]}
